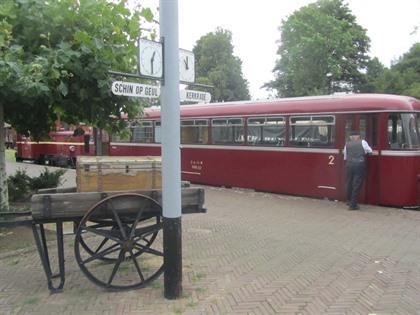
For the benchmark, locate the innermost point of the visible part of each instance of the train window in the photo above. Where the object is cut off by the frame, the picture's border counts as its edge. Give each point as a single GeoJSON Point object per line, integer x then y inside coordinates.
{"type": "Point", "coordinates": [363, 127]}
{"type": "Point", "coordinates": [228, 131]}
{"type": "Point", "coordinates": [266, 131]}
{"type": "Point", "coordinates": [312, 131]}
{"type": "Point", "coordinates": [403, 131]}
{"type": "Point", "coordinates": [142, 131]}
{"type": "Point", "coordinates": [368, 129]}
{"type": "Point", "coordinates": [194, 131]}
{"type": "Point", "coordinates": [158, 133]}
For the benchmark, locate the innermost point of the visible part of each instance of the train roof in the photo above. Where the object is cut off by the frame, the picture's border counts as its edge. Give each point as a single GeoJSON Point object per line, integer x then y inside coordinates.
{"type": "Point", "coordinates": [299, 105]}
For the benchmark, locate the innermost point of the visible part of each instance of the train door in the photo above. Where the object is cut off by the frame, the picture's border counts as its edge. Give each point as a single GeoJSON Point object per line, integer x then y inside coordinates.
{"type": "Point", "coordinates": [367, 125]}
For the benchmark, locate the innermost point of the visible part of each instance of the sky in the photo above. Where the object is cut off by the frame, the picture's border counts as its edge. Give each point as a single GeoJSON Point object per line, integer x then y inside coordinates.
{"type": "Point", "coordinates": [255, 29]}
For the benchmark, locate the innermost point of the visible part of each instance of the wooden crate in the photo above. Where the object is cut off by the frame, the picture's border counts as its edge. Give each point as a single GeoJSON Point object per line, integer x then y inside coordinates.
{"type": "Point", "coordinates": [104, 173]}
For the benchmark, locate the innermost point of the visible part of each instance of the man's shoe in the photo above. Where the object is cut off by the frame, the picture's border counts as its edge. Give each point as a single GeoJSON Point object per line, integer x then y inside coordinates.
{"type": "Point", "coordinates": [354, 208]}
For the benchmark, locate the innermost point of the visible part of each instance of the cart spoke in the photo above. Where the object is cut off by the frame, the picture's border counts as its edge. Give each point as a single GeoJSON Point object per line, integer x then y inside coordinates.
{"type": "Point", "coordinates": [116, 266]}
{"type": "Point", "coordinates": [105, 252]}
{"type": "Point", "coordinates": [104, 241]}
{"type": "Point", "coordinates": [145, 231]}
{"type": "Point", "coordinates": [144, 239]}
{"type": "Point", "coordinates": [105, 234]}
{"type": "Point", "coordinates": [143, 235]}
{"type": "Point", "coordinates": [146, 249]}
{"type": "Point", "coordinates": [117, 218]}
{"type": "Point", "coordinates": [133, 227]}
{"type": "Point", "coordinates": [133, 257]}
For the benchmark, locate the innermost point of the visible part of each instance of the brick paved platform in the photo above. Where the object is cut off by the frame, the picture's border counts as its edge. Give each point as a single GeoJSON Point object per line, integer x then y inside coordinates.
{"type": "Point", "coordinates": [254, 253]}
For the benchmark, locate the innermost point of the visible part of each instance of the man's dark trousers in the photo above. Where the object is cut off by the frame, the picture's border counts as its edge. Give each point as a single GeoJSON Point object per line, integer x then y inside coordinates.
{"type": "Point", "coordinates": [355, 177]}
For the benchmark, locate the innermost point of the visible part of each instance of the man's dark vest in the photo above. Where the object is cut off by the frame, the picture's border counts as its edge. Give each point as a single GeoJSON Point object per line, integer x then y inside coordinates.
{"type": "Point", "coordinates": [355, 153]}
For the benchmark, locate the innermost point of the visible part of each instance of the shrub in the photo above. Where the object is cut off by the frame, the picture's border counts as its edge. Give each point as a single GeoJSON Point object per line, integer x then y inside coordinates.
{"type": "Point", "coordinates": [47, 179]}
{"type": "Point", "coordinates": [21, 186]}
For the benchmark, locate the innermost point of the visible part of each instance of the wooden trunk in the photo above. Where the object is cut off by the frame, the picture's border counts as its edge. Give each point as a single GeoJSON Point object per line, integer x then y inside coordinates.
{"type": "Point", "coordinates": [104, 173]}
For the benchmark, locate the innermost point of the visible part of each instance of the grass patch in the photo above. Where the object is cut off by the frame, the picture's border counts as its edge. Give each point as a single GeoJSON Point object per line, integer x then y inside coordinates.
{"type": "Point", "coordinates": [10, 155]}
{"type": "Point", "coordinates": [13, 262]}
{"type": "Point", "coordinates": [197, 277]}
{"type": "Point", "coordinates": [201, 290]}
{"type": "Point", "coordinates": [192, 304]}
{"type": "Point", "coordinates": [31, 300]}
{"type": "Point", "coordinates": [16, 238]}
{"type": "Point", "coordinates": [177, 311]}
{"type": "Point", "coordinates": [156, 285]}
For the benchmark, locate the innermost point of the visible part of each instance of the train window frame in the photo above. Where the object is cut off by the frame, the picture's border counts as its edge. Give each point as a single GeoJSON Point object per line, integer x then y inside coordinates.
{"type": "Point", "coordinates": [194, 131]}
{"type": "Point", "coordinates": [142, 131]}
{"type": "Point", "coordinates": [400, 134]}
{"type": "Point", "coordinates": [157, 131]}
{"type": "Point", "coordinates": [256, 136]}
{"type": "Point", "coordinates": [313, 140]}
{"type": "Point", "coordinates": [231, 131]}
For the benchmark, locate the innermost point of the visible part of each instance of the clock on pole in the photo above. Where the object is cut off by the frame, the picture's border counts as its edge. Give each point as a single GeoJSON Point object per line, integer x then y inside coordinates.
{"type": "Point", "coordinates": [186, 66]}
{"type": "Point", "coordinates": [150, 58]}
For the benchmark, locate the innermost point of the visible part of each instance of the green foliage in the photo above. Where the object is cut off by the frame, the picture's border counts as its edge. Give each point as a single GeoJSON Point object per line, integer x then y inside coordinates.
{"type": "Point", "coordinates": [322, 50]}
{"type": "Point", "coordinates": [217, 66]}
{"type": "Point", "coordinates": [21, 186]}
{"type": "Point", "coordinates": [406, 74]}
{"type": "Point", "coordinates": [54, 58]}
{"type": "Point", "coordinates": [10, 155]}
{"type": "Point", "coordinates": [47, 179]}
{"type": "Point", "coordinates": [373, 77]}
{"type": "Point", "coordinates": [403, 78]}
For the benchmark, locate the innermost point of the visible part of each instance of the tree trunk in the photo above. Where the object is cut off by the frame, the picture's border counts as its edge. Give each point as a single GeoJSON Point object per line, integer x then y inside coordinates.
{"type": "Point", "coordinates": [4, 195]}
{"type": "Point", "coordinates": [97, 134]}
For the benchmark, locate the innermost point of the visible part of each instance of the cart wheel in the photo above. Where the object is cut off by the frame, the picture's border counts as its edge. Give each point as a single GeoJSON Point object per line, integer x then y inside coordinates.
{"type": "Point", "coordinates": [112, 226]}
{"type": "Point", "coordinates": [113, 244]}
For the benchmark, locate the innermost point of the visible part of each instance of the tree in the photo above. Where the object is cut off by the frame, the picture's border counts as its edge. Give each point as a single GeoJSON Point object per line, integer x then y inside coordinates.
{"type": "Point", "coordinates": [402, 78]}
{"type": "Point", "coordinates": [322, 50]}
{"type": "Point", "coordinates": [217, 66]}
{"type": "Point", "coordinates": [408, 69]}
{"type": "Point", "coordinates": [54, 62]}
{"type": "Point", "coordinates": [375, 71]}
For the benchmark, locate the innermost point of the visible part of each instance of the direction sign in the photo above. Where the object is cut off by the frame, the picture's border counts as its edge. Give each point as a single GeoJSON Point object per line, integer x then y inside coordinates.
{"type": "Point", "coordinates": [195, 96]}
{"type": "Point", "coordinates": [135, 89]}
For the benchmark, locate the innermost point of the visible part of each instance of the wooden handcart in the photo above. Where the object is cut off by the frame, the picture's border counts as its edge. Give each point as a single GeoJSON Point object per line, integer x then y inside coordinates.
{"type": "Point", "coordinates": [116, 233]}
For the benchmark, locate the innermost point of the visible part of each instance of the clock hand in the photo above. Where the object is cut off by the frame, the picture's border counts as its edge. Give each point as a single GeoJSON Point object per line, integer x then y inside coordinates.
{"type": "Point", "coordinates": [186, 63]}
{"type": "Point", "coordinates": [151, 61]}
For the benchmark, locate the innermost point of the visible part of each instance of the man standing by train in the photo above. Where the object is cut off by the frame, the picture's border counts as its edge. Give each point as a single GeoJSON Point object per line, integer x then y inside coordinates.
{"type": "Point", "coordinates": [355, 152]}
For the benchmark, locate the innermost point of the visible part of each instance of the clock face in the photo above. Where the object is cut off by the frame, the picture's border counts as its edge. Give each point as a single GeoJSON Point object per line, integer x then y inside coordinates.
{"type": "Point", "coordinates": [150, 57]}
{"type": "Point", "coordinates": [186, 66]}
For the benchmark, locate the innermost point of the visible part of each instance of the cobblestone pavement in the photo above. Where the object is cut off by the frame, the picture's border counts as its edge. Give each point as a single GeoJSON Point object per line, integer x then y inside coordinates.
{"type": "Point", "coordinates": [253, 253]}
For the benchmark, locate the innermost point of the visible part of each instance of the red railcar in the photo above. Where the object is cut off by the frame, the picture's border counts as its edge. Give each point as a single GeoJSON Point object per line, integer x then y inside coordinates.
{"type": "Point", "coordinates": [60, 149]}
{"type": "Point", "coordinates": [294, 146]}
